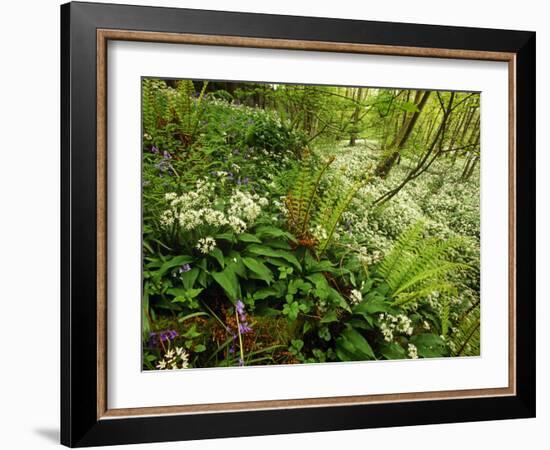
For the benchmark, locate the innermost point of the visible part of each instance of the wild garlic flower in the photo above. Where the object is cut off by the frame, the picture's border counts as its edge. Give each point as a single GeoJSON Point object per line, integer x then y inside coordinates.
{"type": "Point", "coordinates": [206, 245]}
{"type": "Point", "coordinates": [369, 258]}
{"type": "Point", "coordinates": [390, 325]}
{"type": "Point", "coordinates": [412, 351]}
{"type": "Point", "coordinates": [355, 297]}
{"type": "Point", "coordinates": [192, 210]}
{"type": "Point", "coordinates": [244, 206]}
{"type": "Point", "coordinates": [174, 359]}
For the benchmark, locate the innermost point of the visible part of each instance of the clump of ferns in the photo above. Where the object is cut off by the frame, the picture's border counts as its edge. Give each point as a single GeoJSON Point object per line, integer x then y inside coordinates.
{"type": "Point", "coordinates": [314, 210]}
{"type": "Point", "coordinates": [176, 112]}
{"type": "Point", "coordinates": [189, 110]}
{"type": "Point", "coordinates": [418, 265]}
{"type": "Point", "coordinates": [157, 105]}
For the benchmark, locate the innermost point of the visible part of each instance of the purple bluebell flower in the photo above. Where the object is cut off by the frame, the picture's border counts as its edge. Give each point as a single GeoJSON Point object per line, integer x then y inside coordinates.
{"type": "Point", "coordinates": [166, 155]}
{"type": "Point", "coordinates": [156, 337]}
{"type": "Point", "coordinates": [184, 268]}
{"type": "Point", "coordinates": [240, 308]}
{"type": "Point", "coordinates": [241, 362]}
{"type": "Point", "coordinates": [244, 326]}
{"type": "Point", "coordinates": [155, 149]}
{"type": "Point", "coordinates": [233, 344]}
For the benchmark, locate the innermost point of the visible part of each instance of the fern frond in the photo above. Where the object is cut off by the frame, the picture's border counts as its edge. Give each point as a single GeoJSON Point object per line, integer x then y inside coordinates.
{"type": "Point", "coordinates": [444, 312]}
{"type": "Point", "coordinates": [301, 198]}
{"type": "Point", "coordinates": [466, 340]}
{"type": "Point", "coordinates": [339, 209]}
{"type": "Point", "coordinates": [405, 245]}
{"type": "Point", "coordinates": [416, 266]}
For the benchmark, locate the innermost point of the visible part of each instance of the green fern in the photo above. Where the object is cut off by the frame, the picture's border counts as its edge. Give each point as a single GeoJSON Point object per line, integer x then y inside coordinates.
{"type": "Point", "coordinates": [156, 105]}
{"type": "Point", "coordinates": [466, 339]}
{"type": "Point", "coordinates": [189, 111]}
{"type": "Point", "coordinates": [444, 312]}
{"type": "Point", "coordinates": [417, 266]}
{"type": "Point", "coordinates": [331, 213]}
{"type": "Point", "coordinates": [302, 196]}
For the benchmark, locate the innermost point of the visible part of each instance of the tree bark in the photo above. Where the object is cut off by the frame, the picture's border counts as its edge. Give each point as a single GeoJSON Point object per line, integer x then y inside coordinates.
{"type": "Point", "coordinates": [384, 167]}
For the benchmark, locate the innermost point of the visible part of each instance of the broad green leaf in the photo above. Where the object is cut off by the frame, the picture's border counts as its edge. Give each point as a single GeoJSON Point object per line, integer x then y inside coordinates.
{"type": "Point", "coordinates": [429, 345]}
{"type": "Point", "coordinates": [188, 278]}
{"type": "Point", "coordinates": [230, 237]}
{"type": "Point", "coordinates": [228, 281]}
{"type": "Point", "coordinates": [218, 255]}
{"type": "Point", "coordinates": [174, 262]}
{"type": "Point", "coordinates": [265, 293]}
{"type": "Point", "coordinates": [355, 344]}
{"type": "Point", "coordinates": [264, 250]}
{"type": "Point", "coordinates": [270, 231]}
{"type": "Point", "coordinates": [259, 269]}
{"type": "Point", "coordinates": [369, 308]}
{"type": "Point", "coordinates": [393, 351]}
{"type": "Point", "coordinates": [330, 317]}
{"type": "Point", "coordinates": [247, 237]}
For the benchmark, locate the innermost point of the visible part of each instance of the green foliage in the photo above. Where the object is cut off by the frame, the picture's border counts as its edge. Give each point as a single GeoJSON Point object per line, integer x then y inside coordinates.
{"type": "Point", "coordinates": [466, 339]}
{"type": "Point", "coordinates": [301, 198]}
{"type": "Point", "coordinates": [263, 242]}
{"type": "Point", "coordinates": [417, 266]}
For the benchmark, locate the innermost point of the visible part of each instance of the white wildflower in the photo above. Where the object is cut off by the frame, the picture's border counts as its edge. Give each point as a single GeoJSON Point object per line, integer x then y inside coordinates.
{"type": "Point", "coordinates": [412, 351]}
{"type": "Point", "coordinates": [174, 359]}
{"type": "Point", "coordinates": [206, 245]}
{"type": "Point", "coordinates": [356, 297]}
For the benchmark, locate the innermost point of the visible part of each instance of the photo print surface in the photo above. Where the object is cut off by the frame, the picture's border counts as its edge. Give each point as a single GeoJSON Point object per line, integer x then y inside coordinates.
{"type": "Point", "coordinates": [293, 224]}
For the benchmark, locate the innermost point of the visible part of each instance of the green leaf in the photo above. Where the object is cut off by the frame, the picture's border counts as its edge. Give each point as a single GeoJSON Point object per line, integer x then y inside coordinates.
{"type": "Point", "coordinates": [174, 262]}
{"type": "Point", "coordinates": [429, 345]}
{"type": "Point", "coordinates": [265, 293]}
{"type": "Point", "coordinates": [188, 278]}
{"type": "Point", "coordinates": [372, 307]}
{"type": "Point", "coordinates": [228, 281]}
{"type": "Point", "coordinates": [330, 317]}
{"type": "Point", "coordinates": [190, 316]}
{"type": "Point", "coordinates": [235, 263]}
{"type": "Point", "coordinates": [199, 348]}
{"type": "Point", "coordinates": [354, 344]}
{"type": "Point", "coordinates": [263, 310]}
{"type": "Point", "coordinates": [273, 232]}
{"type": "Point", "coordinates": [184, 295]}
{"type": "Point", "coordinates": [298, 285]}
{"type": "Point", "coordinates": [230, 237]}
{"type": "Point", "coordinates": [218, 255]}
{"type": "Point", "coordinates": [322, 266]}
{"type": "Point", "coordinates": [247, 237]}
{"type": "Point", "coordinates": [393, 351]}
{"type": "Point", "coordinates": [259, 269]}
{"type": "Point", "coordinates": [291, 310]}
{"type": "Point", "coordinates": [264, 250]}
{"type": "Point", "coordinates": [191, 332]}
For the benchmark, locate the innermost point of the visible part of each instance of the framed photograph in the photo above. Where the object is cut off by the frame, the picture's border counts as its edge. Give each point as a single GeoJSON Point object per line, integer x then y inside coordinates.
{"type": "Point", "coordinates": [277, 224]}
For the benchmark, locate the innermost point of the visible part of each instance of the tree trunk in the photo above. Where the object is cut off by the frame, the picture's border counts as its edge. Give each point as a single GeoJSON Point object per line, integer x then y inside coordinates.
{"type": "Point", "coordinates": [384, 167]}
{"type": "Point", "coordinates": [355, 117]}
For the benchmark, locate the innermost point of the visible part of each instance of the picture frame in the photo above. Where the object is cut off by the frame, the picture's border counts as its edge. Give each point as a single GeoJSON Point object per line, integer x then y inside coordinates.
{"type": "Point", "coordinates": [86, 418]}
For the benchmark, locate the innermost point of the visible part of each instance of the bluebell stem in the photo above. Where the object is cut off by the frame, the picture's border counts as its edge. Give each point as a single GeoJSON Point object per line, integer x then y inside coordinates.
{"type": "Point", "coordinates": [242, 327]}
